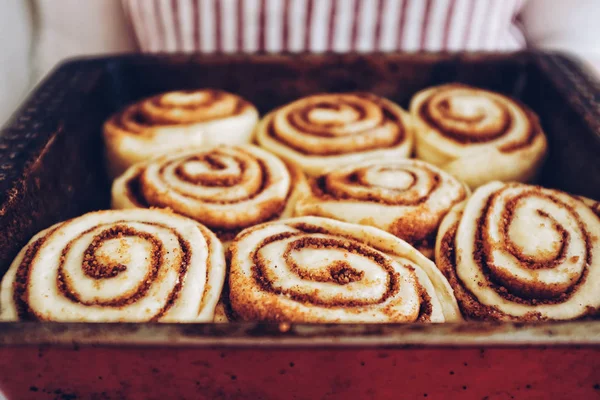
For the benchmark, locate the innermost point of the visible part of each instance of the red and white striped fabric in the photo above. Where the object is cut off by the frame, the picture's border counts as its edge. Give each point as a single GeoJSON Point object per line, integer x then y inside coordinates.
{"type": "Point", "coordinates": [249, 26]}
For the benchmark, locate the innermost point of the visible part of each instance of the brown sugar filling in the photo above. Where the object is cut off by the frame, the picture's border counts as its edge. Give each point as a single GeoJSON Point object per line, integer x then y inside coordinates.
{"type": "Point", "coordinates": [132, 121]}
{"type": "Point", "coordinates": [456, 134]}
{"type": "Point", "coordinates": [134, 114]}
{"type": "Point", "coordinates": [516, 292]}
{"type": "Point", "coordinates": [342, 273]}
{"type": "Point", "coordinates": [389, 116]}
{"type": "Point", "coordinates": [460, 136]}
{"type": "Point", "coordinates": [208, 179]}
{"type": "Point", "coordinates": [134, 191]}
{"type": "Point", "coordinates": [266, 181]}
{"type": "Point", "coordinates": [211, 97]}
{"type": "Point", "coordinates": [272, 310]}
{"type": "Point", "coordinates": [339, 271]}
{"type": "Point", "coordinates": [529, 261]}
{"type": "Point", "coordinates": [98, 269]}
{"type": "Point", "coordinates": [156, 255]}
{"type": "Point", "coordinates": [470, 306]}
{"type": "Point", "coordinates": [425, 308]}
{"type": "Point", "coordinates": [92, 269]}
{"type": "Point", "coordinates": [322, 188]}
{"type": "Point", "coordinates": [595, 208]}
{"type": "Point", "coordinates": [419, 228]}
{"type": "Point", "coordinates": [260, 267]}
{"type": "Point", "coordinates": [275, 209]}
{"type": "Point", "coordinates": [533, 132]}
{"type": "Point", "coordinates": [186, 250]}
{"type": "Point", "coordinates": [302, 116]}
{"type": "Point", "coordinates": [270, 210]}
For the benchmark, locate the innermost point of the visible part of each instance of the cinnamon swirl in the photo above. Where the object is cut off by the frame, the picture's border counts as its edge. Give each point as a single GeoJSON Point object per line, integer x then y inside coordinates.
{"type": "Point", "coordinates": [407, 198]}
{"type": "Point", "coordinates": [313, 269]}
{"type": "Point", "coordinates": [225, 188]}
{"type": "Point", "coordinates": [477, 135]}
{"type": "Point", "coordinates": [330, 130]}
{"type": "Point", "coordinates": [176, 121]}
{"type": "Point", "coordinates": [523, 253]}
{"type": "Point", "coordinates": [108, 266]}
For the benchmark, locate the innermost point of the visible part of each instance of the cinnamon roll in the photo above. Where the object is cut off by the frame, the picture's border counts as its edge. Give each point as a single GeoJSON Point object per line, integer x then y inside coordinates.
{"type": "Point", "coordinates": [330, 130]}
{"type": "Point", "coordinates": [407, 198]}
{"type": "Point", "coordinates": [477, 135]}
{"type": "Point", "coordinates": [176, 121]}
{"type": "Point", "coordinates": [225, 188]}
{"type": "Point", "coordinates": [109, 266]}
{"type": "Point", "coordinates": [313, 269]}
{"type": "Point", "coordinates": [517, 252]}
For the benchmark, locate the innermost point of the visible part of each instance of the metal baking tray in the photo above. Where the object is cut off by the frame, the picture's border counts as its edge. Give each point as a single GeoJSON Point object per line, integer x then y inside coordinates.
{"type": "Point", "coordinates": [51, 169]}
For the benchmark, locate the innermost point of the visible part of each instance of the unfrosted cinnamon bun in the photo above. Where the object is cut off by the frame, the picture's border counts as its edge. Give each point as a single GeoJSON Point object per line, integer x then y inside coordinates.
{"type": "Point", "coordinates": [313, 269]}
{"type": "Point", "coordinates": [174, 121]}
{"type": "Point", "coordinates": [109, 266]}
{"type": "Point", "coordinates": [407, 198]}
{"type": "Point", "coordinates": [324, 131]}
{"type": "Point", "coordinates": [477, 135]}
{"type": "Point", "coordinates": [226, 188]}
{"type": "Point", "coordinates": [523, 253]}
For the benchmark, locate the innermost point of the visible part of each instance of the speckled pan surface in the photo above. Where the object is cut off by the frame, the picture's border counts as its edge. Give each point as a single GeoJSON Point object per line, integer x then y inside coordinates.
{"type": "Point", "coordinates": [51, 166]}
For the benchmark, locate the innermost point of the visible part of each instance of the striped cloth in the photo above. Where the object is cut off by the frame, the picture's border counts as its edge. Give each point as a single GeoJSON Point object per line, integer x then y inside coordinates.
{"type": "Point", "coordinates": [248, 26]}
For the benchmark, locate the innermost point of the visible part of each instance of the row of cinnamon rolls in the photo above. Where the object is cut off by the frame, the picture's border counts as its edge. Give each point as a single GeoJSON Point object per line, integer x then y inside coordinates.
{"type": "Point", "coordinates": [326, 222]}
{"type": "Point", "coordinates": [476, 135]}
{"type": "Point", "coordinates": [236, 233]}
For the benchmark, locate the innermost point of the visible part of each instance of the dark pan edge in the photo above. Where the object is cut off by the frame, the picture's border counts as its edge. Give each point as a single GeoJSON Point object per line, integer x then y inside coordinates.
{"type": "Point", "coordinates": [582, 333]}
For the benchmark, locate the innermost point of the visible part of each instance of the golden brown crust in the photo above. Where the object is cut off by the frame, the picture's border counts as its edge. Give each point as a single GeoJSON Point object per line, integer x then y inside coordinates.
{"type": "Point", "coordinates": [269, 282]}
{"type": "Point", "coordinates": [469, 305]}
{"type": "Point", "coordinates": [409, 202]}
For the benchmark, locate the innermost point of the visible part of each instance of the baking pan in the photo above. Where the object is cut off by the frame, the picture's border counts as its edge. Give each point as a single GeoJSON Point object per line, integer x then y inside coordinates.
{"type": "Point", "coordinates": [51, 168]}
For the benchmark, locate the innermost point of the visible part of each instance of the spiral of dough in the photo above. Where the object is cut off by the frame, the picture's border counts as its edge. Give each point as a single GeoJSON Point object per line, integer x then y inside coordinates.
{"type": "Point", "coordinates": [407, 198]}
{"type": "Point", "coordinates": [476, 135]}
{"type": "Point", "coordinates": [176, 121]}
{"type": "Point", "coordinates": [225, 188]}
{"type": "Point", "coordinates": [313, 269]}
{"type": "Point", "coordinates": [324, 131]}
{"type": "Point", "coordinates": [117, 266]}
{"type": "Point", "coordinates": [521, 252]}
